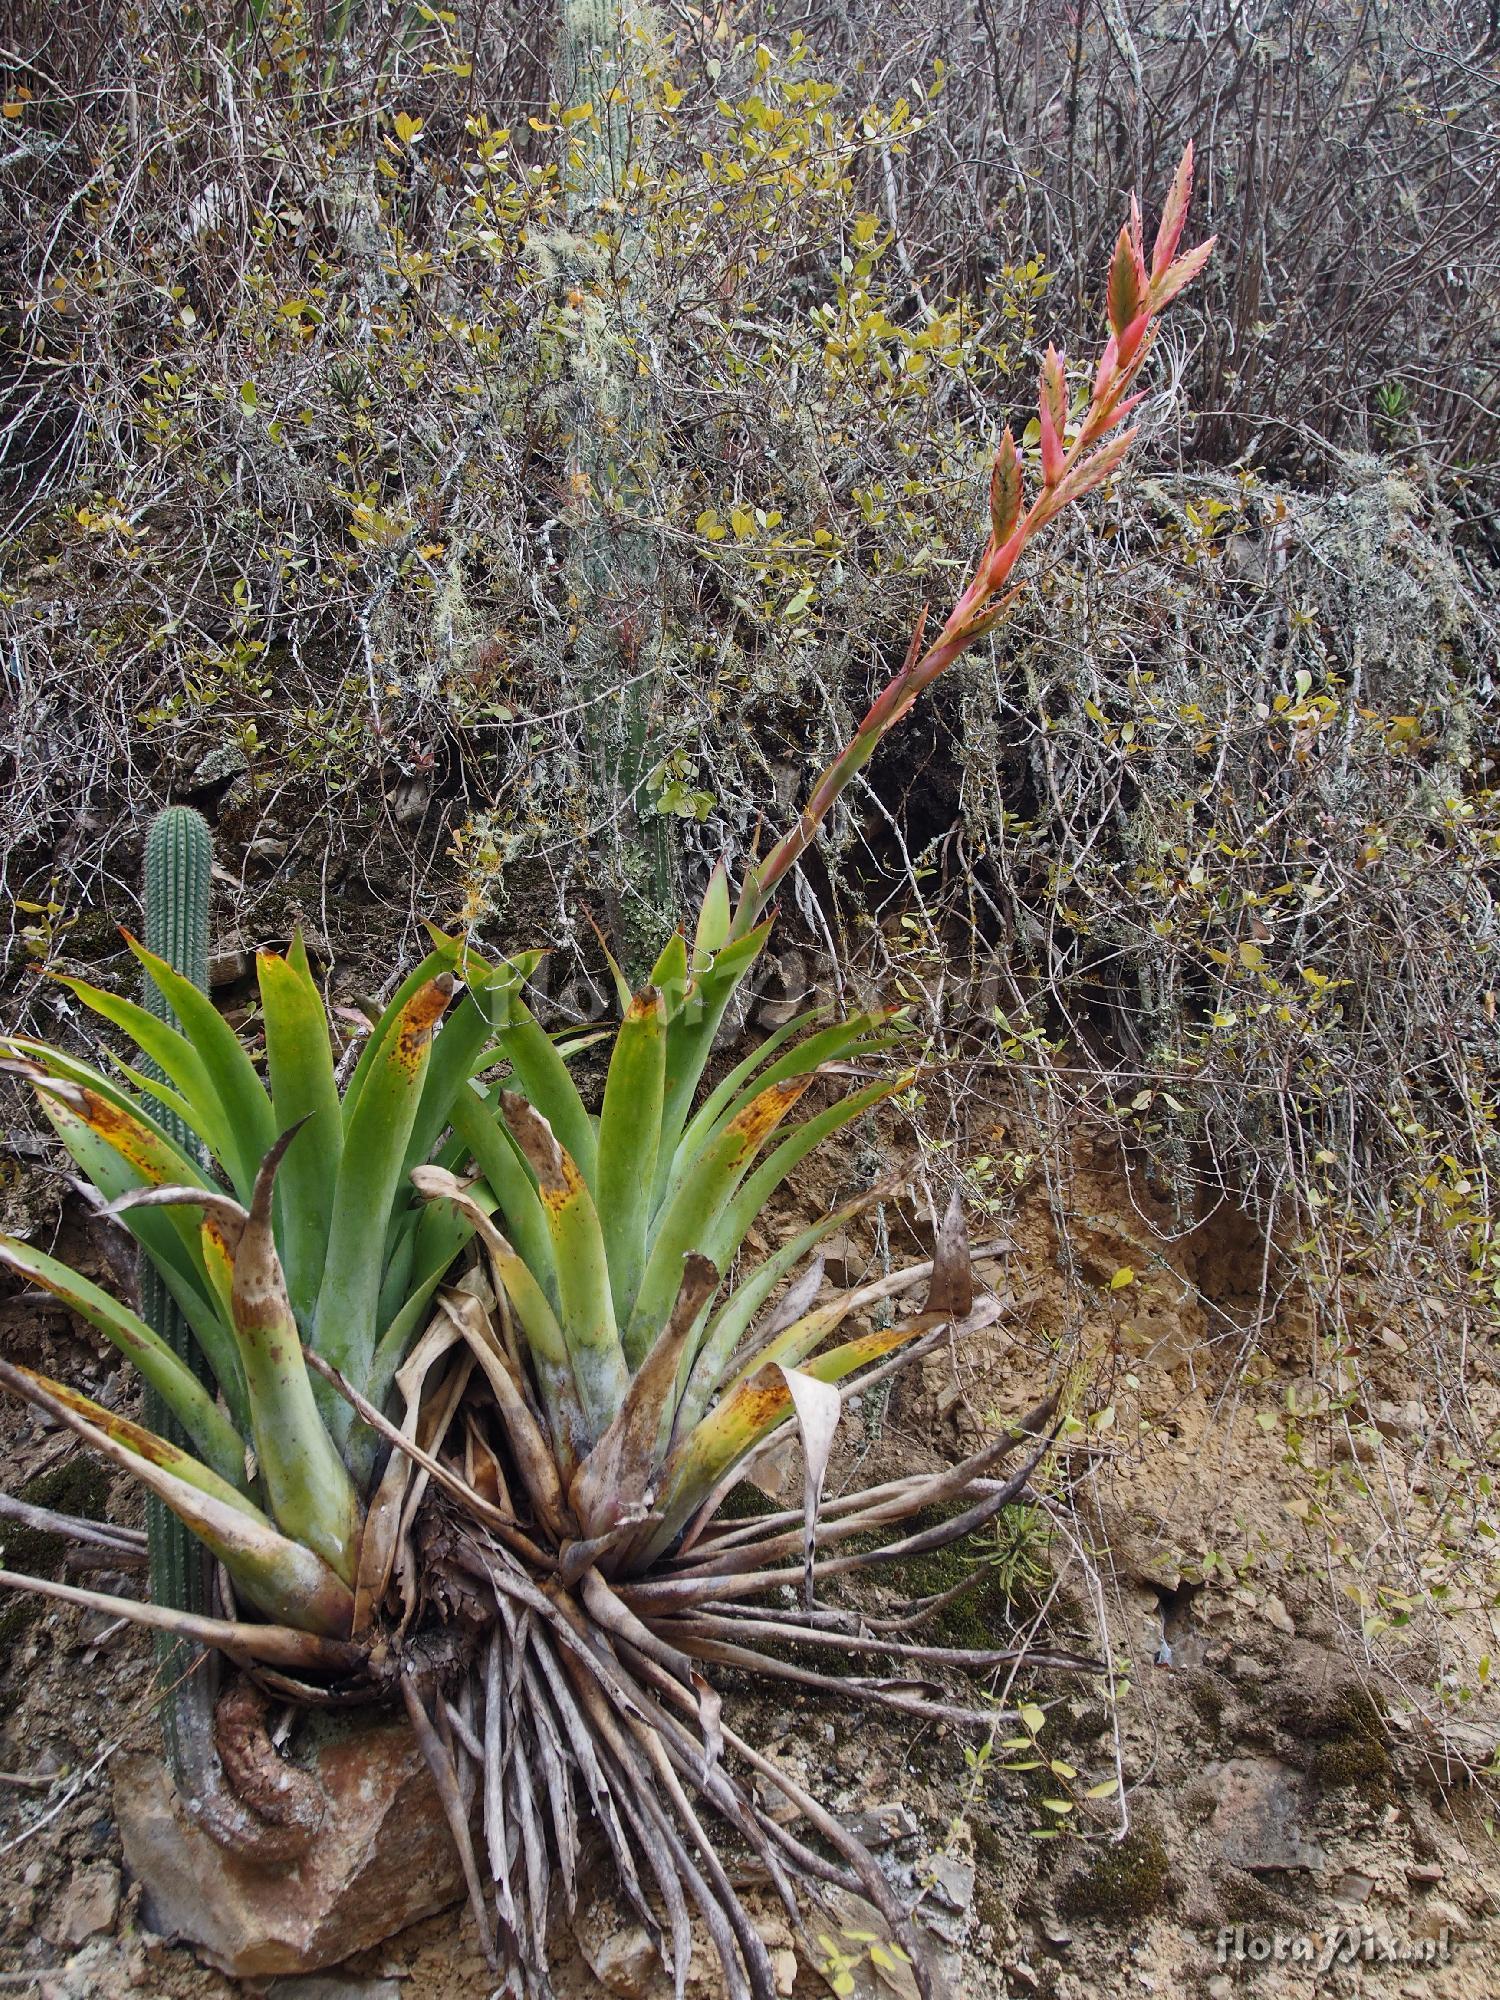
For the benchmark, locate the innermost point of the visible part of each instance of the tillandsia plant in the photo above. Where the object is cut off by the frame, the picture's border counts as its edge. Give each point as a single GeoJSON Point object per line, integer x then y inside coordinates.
{"type": "Point", "coordinates": [499, 1485]}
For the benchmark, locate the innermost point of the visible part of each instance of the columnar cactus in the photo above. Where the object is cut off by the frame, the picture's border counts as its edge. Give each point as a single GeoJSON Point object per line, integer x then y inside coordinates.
{"type": "Point", "coordinates": [178, 869]}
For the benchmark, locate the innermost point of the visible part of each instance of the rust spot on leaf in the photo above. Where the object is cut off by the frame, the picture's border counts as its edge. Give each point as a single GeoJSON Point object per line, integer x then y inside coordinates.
{"type": "Point", "coordinates": [419, 1017]}
{"type": "Point", "coordinates": [762, 1398]}
{"type": "Point", "coordinates": [146, 1444]}
{"type": "Point", "coordinates": [217, 1250]}
{"type": "Point", "coordinates": [644, 1004]}
{"type": "Point", "coordinates": [766, 1111]}
{"type": "Point", "coordinates": [125, 1134]}
{"type": "Point", "coordinates": [535, 1137]}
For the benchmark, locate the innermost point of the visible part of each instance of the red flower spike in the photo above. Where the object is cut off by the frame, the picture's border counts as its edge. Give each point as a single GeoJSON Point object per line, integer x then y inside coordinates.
{"type": "Point", "coordinates": [1052, 415]}
{"type": "Point", "coordinates": [1055, 389]}
{"type": "Point", "coordinates": [1005, 490]}
{"type": "Point", "coordinates": [1071, 471]}
{"type": "Point", "coordinates": [1132, 337]}
{"type": "Point", "coordinates": [1138, 241]}
{"type": "Point", "coordinates": [1052, 451]}
{"type": "Point", "coordinates": [1092, 472]}
{"type": "Point", "coordinates": [1109, 361]}
{"type": "Point", "coordinates": [1173, 215]}
{"type": "Point", "coordinates": [1124, 296]}
{"type": "Point", "coordinates": [1183, 272]}
{"type": "Point", "coordinates": [1118, 416]}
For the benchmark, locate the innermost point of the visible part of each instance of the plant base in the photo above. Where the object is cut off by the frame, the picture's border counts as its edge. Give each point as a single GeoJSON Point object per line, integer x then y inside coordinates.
{"type": "Point", "coordinates": [382, 1859]}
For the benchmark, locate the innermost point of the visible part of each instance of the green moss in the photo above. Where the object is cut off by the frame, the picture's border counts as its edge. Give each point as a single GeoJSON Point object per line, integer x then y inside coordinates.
{"type": "Point", "coordinates": [1124, 1881]}
{"type": "Point", "coordinates": [1353, 1711]}
{"type": "Point", "coordinates": [1206, 1693]}
{"type": "Point", "coordinates": [994, 1892]}
{"type": "Point", "coordinates": [997, 1567]}
{"type": "Point", "coordinates": [746, 1502]}
{"type": "Point", "coordinates": [1352, 1755]}
{"type": "Point", "coordinates": [1352, 1763]}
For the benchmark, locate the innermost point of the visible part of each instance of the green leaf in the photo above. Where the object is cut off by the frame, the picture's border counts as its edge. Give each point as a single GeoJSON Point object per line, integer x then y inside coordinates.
{"type": "Point", "coordinates": [857, 1035]}
{"type": "Point", "coordinates": [309, 1491]}
{"type": "Point", "coordinates": [299, 1057]}
{"type": "Point", "coordinates": [443, 958]}
{"type": "Point", "coordinates": [729, 1231]}
{"type": "Point", "coordinates": [540, 1071]}
{"type": "Point", "coordinates": [693, 1022]}
{"type": "Point", "coordinates": [552, 1364]}
{"type": "Point", "coordinates": [250, 1123]}
{"type": "Point", "coordinates": [712, 932]}
{"type": "Point", "coordinates": [279, 1576]}
{"type": "Point", "coordinates": [478, 1123]}
{"type": "Point", "coordinates": [147, 1444]}
{"type": "Point", "coordinates": [687, 1218]}
{"type": "Point", "coordinates": [461, 1046]}
{"type": "Point", "coordinates": [748, 1413]}
{"type": "Point", "coordinates": [585, 1302]}
{"type": "Point", "coordinates": [730, 1324]}
{"type": "Point", "coordinates": [375, 1141]}
{"type": "Point", "coordinates": [179, 1388]}
{"type": "Point", "coordinates": [629, 1128]}
{"type": "Point", "coordinates": [195, 1100]}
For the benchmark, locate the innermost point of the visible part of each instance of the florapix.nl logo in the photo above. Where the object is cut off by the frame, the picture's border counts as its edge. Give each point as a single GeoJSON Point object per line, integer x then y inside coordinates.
{"type": "Point", "coordinates": [1321, 1951]}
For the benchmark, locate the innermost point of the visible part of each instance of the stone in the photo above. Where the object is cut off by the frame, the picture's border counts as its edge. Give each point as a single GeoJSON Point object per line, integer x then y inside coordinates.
{"type": "Point", "coordinates": [1402, 1420]}
{"type": "Point", "coordinates": [383, 1859]}
{"type": "Point", "coordinates": [1276, 1613]}
{"type": "Point", "coordinates": [319, 1987]}
{"type": "Point", "coordinates": [1353, 1887]}
{"type": "Point", "coordinates": [880, 1826]}
{"type": "Point", "coordinates": [224, 761]}
{"type": "Point", "coordinates": [88, 1907]}
{"type": "Point", "coordinates": [844, 1263]}
{"type": "Point", "coordinates": [228, 967]}
{"type": "Point", "coordinates": [624, 1961]}
{"type": "Point", "coordinates": [946, 1909]}
{"type": "Point", "coordinates": [616, 1947]}
{"type": "Point", "coordinates": [1438, 1918]}
{"type": "Point", "coordinates": [1258, 1819]}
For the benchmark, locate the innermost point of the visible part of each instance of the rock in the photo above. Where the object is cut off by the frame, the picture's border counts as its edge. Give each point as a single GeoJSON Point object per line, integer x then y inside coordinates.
{"type": "Point", "coordinates": [615, 1946]}
{"type": "Point", "coordinates": [225, 760]}
{"type": "Point", "coordinates": [101, 1971]}
{"type": "Point", "coordinates": [844, 1263]}
{"type": "Point", "coordinates": [1438, 1918]}
{"type": "Point", "coordinates": [1275, 1613]}
{"type": "Point", "coordinates": [1424, 1874]}
{"type": "Point", "coordinates": [851, 1922]}
{"type": "Point", "coordinates": [1402, 1420]}
{"type": "Point", "coordinates": [623, 1961]}
{"type": "Point", "coordinates": [228, 968]}
{"type": "Point", "coordinates": [1353, 1887]}
{"type": "Point", "coordinates": [881, 1826]}
{"type": "Point", "coordinates": [383, 1859]}
{"type": "Point", "coordinates": [320, 1988]}
{"type": "Point", "coordinates": [953, 1883]}
{"type": "Point", "coordinates": [1258, 1819]}
{"type": "Point", "coordinates": [88, 1907]}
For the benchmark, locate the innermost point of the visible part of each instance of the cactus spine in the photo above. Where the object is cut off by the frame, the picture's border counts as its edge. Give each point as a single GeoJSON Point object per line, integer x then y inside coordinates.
{"type": "Point", "coordinates": [178, 864]}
